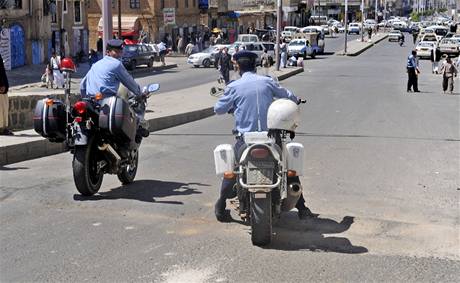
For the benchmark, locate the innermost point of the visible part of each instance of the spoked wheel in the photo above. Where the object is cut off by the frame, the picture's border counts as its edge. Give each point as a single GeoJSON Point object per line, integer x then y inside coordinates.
{"type": "Point", "coordinates": [86, 173]}
{"type": "Point", "coordinates": [128, 172]}
{"type": "Point", "coordinates": [261, 218]}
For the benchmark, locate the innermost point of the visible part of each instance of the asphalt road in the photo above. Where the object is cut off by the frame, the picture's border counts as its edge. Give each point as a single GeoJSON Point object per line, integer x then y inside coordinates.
{"type": "Point", "coordinates": [382, 169]}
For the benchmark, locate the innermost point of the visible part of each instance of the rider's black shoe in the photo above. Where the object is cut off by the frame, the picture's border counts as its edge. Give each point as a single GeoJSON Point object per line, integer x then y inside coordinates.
{"type": "Point", "coordinates": [143, 132]}
{"type": "Point", "coordinates": [222, 214]}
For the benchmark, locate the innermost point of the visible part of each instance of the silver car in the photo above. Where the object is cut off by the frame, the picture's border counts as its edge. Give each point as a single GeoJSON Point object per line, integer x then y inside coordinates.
{"type": "Point", "coordinates": [449, 46]}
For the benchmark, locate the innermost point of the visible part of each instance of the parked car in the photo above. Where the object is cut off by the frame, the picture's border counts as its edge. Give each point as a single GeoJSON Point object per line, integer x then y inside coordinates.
{"type": "Point", "coordinates": [137, 54]}
{"type": "Point", "coordinates": [369, 23]}
{"type": "Point", "coordinates": [256, 47]}
{"type": "Point", "coordinates": [354, 28]}
{"type": "Point", "coordinates": [205, 58]}
{"type": "Point", "coordinates": [395, 35]}
{"type": "Point", "coordinates": [424, 49]}
{"type": "Point", "coordinates": [449, 46]}
{"type": "Point", "coordinates": [301, 47]}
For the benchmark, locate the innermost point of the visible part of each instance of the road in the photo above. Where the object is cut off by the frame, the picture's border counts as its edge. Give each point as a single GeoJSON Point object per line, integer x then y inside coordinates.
{"type": "Point", "coordinates": [382, 170]}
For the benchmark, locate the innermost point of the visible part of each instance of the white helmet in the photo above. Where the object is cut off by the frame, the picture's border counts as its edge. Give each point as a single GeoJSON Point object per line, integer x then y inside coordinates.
{"type": "Point", "coordinates": [283, 114]}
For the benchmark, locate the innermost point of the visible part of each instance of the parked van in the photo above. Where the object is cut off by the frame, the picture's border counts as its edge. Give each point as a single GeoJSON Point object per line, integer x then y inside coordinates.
{"type": "Point", "coordinates": [248, 38]}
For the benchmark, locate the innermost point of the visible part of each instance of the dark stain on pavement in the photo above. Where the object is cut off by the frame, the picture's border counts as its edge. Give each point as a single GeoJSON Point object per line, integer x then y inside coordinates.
{"type": "Point", "coordinates": [294, 234]}
{"type": "Point", "coordinates": [146, 190]}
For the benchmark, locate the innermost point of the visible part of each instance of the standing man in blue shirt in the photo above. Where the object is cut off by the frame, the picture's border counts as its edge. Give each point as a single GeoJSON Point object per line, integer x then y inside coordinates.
{"type": "Point", "coordinates": [412, 72]}
{"type": "Point", "coordinates": [248, 98]}
{"type": "Point", "coordinates": [106, 75]}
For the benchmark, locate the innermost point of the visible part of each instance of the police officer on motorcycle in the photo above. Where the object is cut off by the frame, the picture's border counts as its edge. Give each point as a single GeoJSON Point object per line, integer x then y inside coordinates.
{"type": "Point", "coordinates": [249, 98]}
{"type": "Point", "coordinates": [106, 75]}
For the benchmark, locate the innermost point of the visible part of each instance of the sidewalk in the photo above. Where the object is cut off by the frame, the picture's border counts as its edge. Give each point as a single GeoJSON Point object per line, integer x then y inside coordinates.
{"type": "Point", "coordinates": [165, 110]}
{"type": "Point", "coordinates": [356, 47]}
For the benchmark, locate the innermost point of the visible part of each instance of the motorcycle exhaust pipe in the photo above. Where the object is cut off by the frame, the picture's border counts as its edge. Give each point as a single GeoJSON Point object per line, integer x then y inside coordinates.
{"type": "Point", "coordinates": [109, 149]}
{"type": "Point", "coordinates": [294, 191]}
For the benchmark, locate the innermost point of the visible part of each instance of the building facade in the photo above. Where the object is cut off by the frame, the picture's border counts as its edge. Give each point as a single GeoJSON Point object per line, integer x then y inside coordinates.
{"type": "Point", "coordinates": [25, 25]}
{"type": "Point", "coordinates": [147, 20]}
{"type": "Point", "coordinates": [69, 27]}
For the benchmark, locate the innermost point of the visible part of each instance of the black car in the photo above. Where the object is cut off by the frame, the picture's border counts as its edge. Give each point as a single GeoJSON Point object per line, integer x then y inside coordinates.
{"type": "Point", "coordinates": [138, 54]}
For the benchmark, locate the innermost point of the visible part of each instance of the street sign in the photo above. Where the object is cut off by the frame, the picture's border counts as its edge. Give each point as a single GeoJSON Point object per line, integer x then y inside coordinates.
{"type": "Point", "coordinates": [169, 16]}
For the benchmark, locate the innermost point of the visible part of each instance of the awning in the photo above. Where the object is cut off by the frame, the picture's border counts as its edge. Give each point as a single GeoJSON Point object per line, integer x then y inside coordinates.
{"type": "Point", "coordinates": [129, 26]}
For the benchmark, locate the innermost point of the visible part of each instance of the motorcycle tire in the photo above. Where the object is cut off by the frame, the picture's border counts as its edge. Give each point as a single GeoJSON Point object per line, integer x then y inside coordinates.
{"type": "Point", "coordinates": [128, 173]}
{"type": "Point", "coordinates": [261, 219]}
{"type": "Point", "coordinates": [87, 180]}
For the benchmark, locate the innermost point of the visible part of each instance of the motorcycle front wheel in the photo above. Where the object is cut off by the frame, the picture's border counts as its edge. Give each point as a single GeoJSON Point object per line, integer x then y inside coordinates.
{"type": "Point", "coordinates": [86, 174]}
{"type": "Point", "coordinates": [261, 218]}
{"type": "Point", "coordinates": [128, 172]}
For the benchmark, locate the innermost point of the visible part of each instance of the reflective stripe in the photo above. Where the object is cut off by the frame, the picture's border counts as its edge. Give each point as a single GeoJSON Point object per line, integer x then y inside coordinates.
{"type": "Point", "coordinates": [45, 110]}
{"type": "Point", "coordinates": [112, 105]}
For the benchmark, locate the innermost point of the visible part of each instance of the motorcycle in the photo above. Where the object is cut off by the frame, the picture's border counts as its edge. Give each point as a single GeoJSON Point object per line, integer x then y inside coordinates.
{"type": "Point", "coordinates": [101, 132]}
{"type": "Point", "coordinates": [267, 170]}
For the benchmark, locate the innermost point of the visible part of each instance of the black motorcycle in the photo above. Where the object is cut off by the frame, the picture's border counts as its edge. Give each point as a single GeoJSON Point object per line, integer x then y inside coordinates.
{"type": "Point", "coordinates": [103, 134]}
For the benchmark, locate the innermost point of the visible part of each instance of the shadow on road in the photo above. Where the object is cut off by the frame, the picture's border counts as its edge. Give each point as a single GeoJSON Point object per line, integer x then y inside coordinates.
{"type": "Point", "coordinates": [294, 234]}
{"type": "Point", "coordinates": [3, 168]}
{"type": "Point", "coordinates": [146, 190]}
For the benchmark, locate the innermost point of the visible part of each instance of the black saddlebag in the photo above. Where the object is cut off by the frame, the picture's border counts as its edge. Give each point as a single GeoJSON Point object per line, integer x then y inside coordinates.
{"type": "Point", "coordinates": [118, 119]}
{"type": "Point", "coordinates": [50, 120]}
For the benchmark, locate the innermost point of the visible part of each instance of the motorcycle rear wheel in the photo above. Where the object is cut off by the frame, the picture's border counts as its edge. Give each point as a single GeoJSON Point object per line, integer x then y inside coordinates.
{"type": "Point", "coordinates": [261, 219]}
{"type": "Point", "coordinates": [85, 172]}
{"type": "Point", "coordinates": [128, 173]}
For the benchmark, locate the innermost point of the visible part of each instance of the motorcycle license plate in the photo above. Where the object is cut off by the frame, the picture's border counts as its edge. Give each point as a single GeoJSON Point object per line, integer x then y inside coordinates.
{"type": "Point", "coordinates": [260, 173]}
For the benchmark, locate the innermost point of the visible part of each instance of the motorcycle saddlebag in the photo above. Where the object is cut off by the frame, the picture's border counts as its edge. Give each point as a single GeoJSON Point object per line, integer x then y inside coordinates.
{"type": "Point", "coordinates": [118, 119]}
{"type": "Point", "coordinates": [50, 120]}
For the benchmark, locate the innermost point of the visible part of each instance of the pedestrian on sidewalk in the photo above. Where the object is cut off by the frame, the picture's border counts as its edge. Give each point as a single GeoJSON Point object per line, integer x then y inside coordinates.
{"type": "Point", "coordinates": [163, 50]}
{"type": "Point", "coordinates": [224, 65]}
{"type": "Point", "coordinates": [369, 33]}
{"type": "Point", "coordinates": [412, 72]}
{"type": "Point", "coordinates": [265, 63]}
{"type": "Point", "coordinates": [48, 76]}
{"type": "Point", "coordinates": [448, 72]}
{"type": "Point", "coordinates": [58, 78]}
{"type": "Point", "coordinates": [188, 49]}
{"type": "Point", "coordinates": [4, 103]}
{"type": "Point", "coordinates": [283, 53]}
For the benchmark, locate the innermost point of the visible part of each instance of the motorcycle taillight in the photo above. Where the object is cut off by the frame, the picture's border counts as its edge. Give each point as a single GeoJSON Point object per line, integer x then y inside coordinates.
{"type": "Point", "coordinates": [259, 153]}
{"type": "Point", "coordinates": [80, 107]}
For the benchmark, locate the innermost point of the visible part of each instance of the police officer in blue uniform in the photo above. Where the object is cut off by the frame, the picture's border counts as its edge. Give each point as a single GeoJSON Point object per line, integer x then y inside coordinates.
{"type": "Point", "coordinates": [106, 75]}
{"type": "Point", "coordinates": [248, 98]}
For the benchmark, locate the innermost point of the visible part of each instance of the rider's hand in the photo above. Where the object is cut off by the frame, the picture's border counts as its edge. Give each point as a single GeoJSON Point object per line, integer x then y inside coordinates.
{"type": "Point", "coordinates": [300, 100]}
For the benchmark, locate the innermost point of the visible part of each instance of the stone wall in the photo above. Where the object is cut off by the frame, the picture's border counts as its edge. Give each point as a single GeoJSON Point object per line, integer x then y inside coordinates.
{"type": "Point", "coordinates": [22, 107]}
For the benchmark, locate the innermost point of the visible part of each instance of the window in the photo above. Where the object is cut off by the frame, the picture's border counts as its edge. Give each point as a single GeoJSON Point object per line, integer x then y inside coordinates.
{"type": "Point", "coordinates": [11, 4]}
{"type": "Point", "coordinates": [65, 6]}
{"type": "Point", "coordinates": [114, 4]}
{"type": "Point", "coordinates": [194, 3]}
{"type": "Point", "coordinates": [134, 4]}
{"type": "Point", "coordinates": [162, 4]}
{"type": "Point", "coordinates": [186, 3]}
{"type": "Point", "coordinates": [177, 4]}
{"type": "Point", "coordinates": [46, 8]}
{"type": "Point", "coordinates": [77, 11]}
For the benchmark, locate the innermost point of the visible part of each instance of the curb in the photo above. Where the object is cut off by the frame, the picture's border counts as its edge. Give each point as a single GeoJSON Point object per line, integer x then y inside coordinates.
{"type": "Point", "coordinates": [362, 49]}
{"type": "Point", "coordinates": [41, 148]}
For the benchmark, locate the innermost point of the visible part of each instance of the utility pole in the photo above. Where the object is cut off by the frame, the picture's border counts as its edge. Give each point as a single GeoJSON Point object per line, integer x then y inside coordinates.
{"type": "Point", "coordinates": [278, 31]}
{"type": "Point", "coordinates": [107, 30]}
{"type": "Point", "coordinates": [119, 19]}
{"type": "Point", "coordinates": [376, 17]}
{"type": "Point", "coordinates": [346, 26]}
{"type": "Point", "coordinates": [362, 20]}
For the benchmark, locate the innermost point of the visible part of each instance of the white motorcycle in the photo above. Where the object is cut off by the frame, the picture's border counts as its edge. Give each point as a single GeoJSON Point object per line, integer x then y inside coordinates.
{"type": "Point", "coordinates": [266, 169]}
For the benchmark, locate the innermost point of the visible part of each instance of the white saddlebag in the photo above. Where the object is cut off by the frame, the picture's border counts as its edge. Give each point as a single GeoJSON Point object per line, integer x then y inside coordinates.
{"type": "Point", "coordinates": [294, 158]}
{"type": "Point", "coordinates": [224, 159]}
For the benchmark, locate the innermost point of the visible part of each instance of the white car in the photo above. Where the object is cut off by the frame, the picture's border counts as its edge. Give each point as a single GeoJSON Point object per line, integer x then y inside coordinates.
{"type": "Point", "coordinates": [206, 57]}
{"type": "Point", "coordinates": [354, 28]}
{"type": "Point", "coordinates": [449, 46]}
{"type": "Point", "coordinates": [395, 35]}
{"type": "Point", "coordinates": [424, 49]}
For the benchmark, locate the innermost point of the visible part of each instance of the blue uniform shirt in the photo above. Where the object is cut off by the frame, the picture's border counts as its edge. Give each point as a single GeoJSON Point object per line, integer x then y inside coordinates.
{"type": "Point", "coordinates": [411, 62]}
{"type": "Point", "coordinates": [249, 98]}
{"type": "Point", "coordinates": [105, 77]}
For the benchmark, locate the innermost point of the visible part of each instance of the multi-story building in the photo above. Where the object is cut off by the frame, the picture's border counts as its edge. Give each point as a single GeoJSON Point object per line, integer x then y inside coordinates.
{"type": "Point", "coordinates": [69, 27]}
{"type": "Point", "coordinates": [150, 20]}
{"type": "Point", "coordinates": [26, 32]}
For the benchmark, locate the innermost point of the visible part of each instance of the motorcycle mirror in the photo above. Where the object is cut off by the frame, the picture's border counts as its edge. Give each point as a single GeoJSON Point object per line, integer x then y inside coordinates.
{"type": "Point", "coordinates": [153, 87]}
